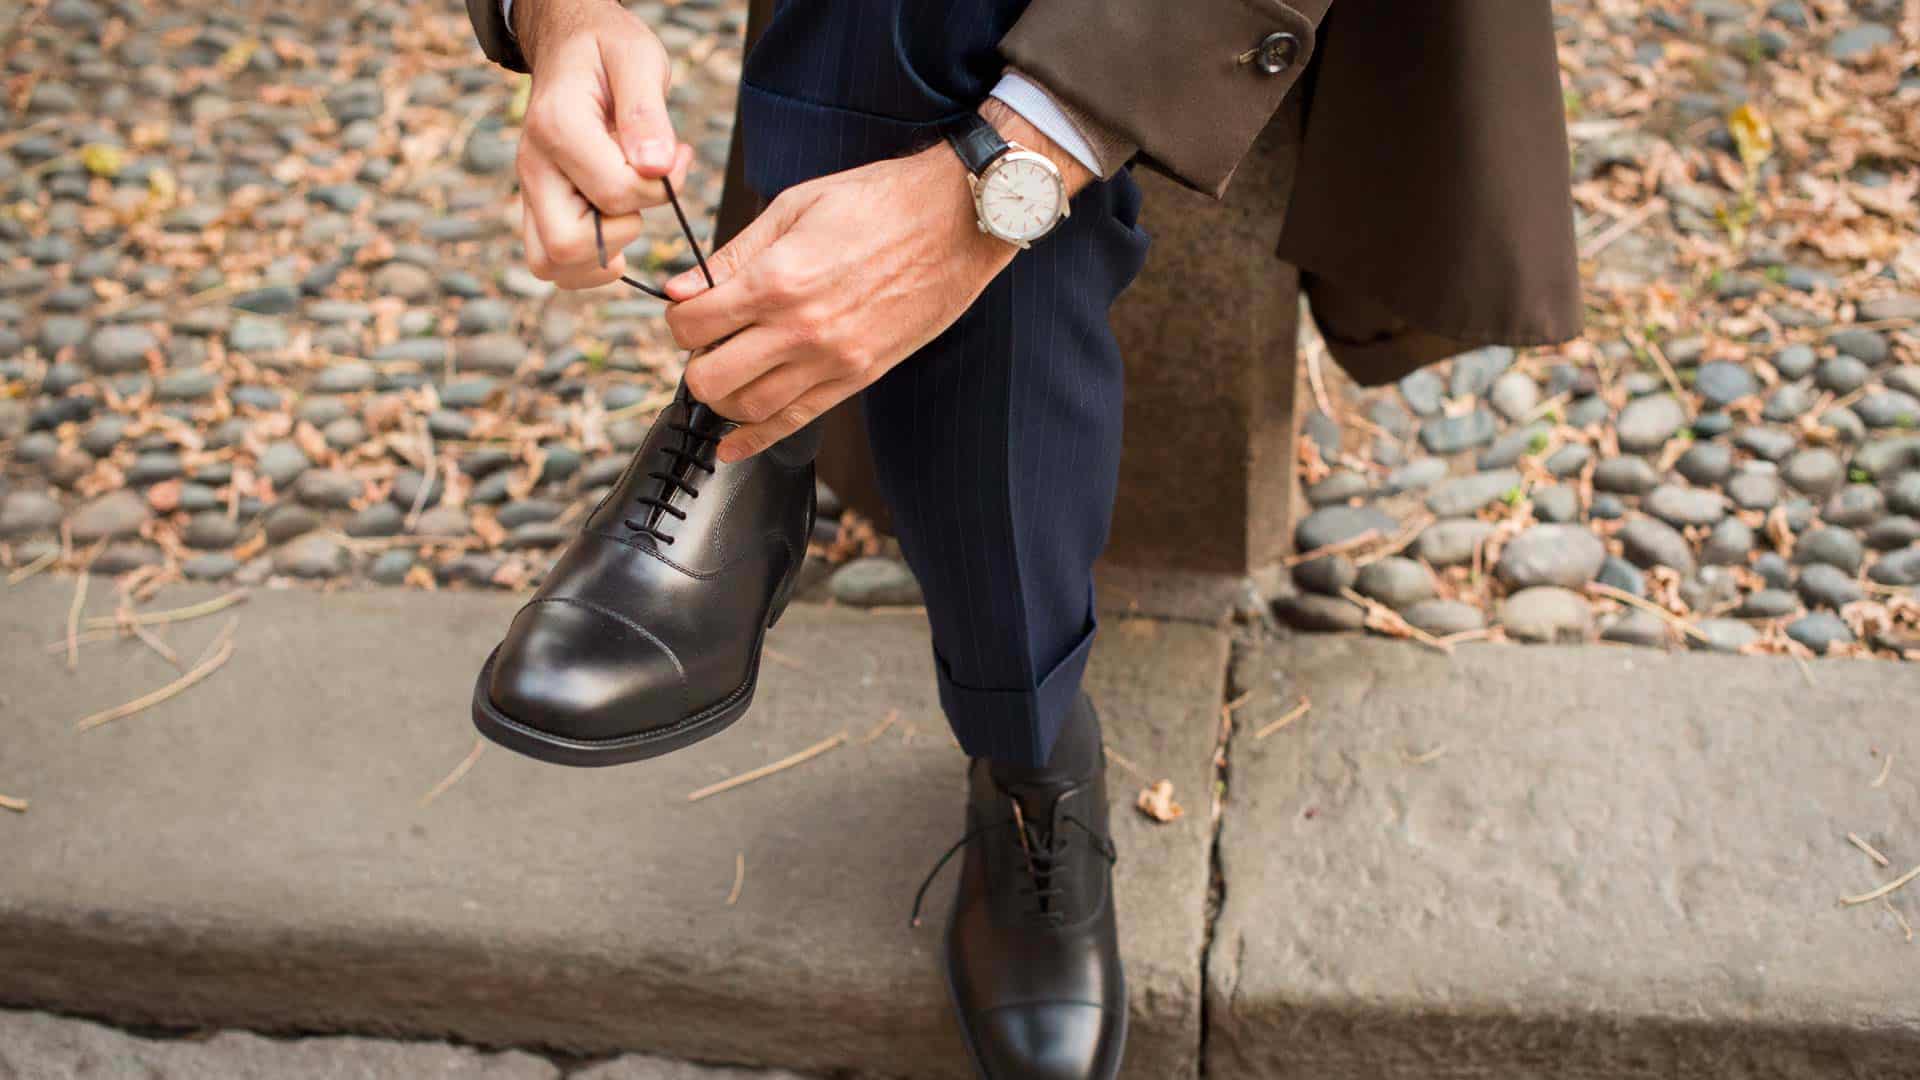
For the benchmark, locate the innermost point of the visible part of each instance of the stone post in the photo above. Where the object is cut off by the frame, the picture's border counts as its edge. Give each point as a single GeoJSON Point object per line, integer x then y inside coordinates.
{"type": "Point", "coordinates": [1207, 480]}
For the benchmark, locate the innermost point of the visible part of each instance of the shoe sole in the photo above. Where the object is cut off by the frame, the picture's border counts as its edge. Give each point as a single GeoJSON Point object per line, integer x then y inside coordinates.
{"type": "Point", "coordinates": [966, 1034]}
{"type": "Point", "coordinates": [526, 739]}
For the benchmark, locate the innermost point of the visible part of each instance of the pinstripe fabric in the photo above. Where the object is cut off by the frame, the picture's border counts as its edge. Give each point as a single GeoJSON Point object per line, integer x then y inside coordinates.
{"type": "Point", "coordinates": [998, 445]}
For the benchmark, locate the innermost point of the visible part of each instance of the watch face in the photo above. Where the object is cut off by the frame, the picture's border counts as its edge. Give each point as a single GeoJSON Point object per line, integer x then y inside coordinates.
{"type": "Point", "coordinates": [1020, 198]}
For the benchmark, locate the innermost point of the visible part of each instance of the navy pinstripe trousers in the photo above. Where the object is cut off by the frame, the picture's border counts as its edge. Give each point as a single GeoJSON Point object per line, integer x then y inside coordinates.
{"type": "Point", "coordinates": [998, 444]}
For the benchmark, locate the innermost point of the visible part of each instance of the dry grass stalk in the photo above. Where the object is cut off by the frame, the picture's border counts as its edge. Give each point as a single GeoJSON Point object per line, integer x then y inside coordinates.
{"type": "Point", "coordinates": [1341, 548]}
{"type": "Point", "coordinates": [1889, 888]}
{"type": "Point", "coordinates": [1399, 543]}
{"type": "Point", "coordinates": [1631, 600]}
{"type": "Point", "coordinates": [1427, 758]}
{"type": "Point", "coordinates": [152, 641]}
{"type": "Point", "coordinates": [460, 770]}
{"type": "Point", "coordinates": [783, 764]}
{"type": "Point", "coordinates": [1295, 713]}
{"type": "Point", "coordinates": [23, 573]}
{"type": "Point", "coordinates": [9, 802]}
{"type": "Point", "coordinates": [1383, 619]}
{"type": "Point", "coordinates": [200, 671]}
{"type": "Point", "coordinates": [881, 728]}
{"type": "Point", "coordinates": [781, 658]}
{"type": "Point", "coordinates": [1905, 926]}
{"type": "Point", "coordinates": [73, 622]}
{"type": "Point", "coordinates": [1871, 852]}
{"type": "Point", "coordinates": [1886, 766]}
{"type": "Point", "coordinates": [739, 877]}
{"type": "Point", "coordinates": [1622, 227]}
{"type": "Point", "coordinates": [174, 615]}
{"type": "Point", "coordinates": [1126, 764]}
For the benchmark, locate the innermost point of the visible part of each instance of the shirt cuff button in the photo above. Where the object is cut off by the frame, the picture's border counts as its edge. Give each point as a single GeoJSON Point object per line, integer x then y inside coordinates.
{"type": "Point", "coordinates": [1276, 52]}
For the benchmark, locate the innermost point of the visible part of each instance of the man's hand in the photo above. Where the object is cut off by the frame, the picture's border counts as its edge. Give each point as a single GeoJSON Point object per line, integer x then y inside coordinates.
{"type": "Point", "coordinates": [839, 280]}
{"type": "Point", "coordinates": [597, 135]}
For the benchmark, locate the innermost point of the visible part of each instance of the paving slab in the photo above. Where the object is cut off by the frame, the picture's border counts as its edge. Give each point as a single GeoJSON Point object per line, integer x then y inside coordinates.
{"type": "Point", "coordinates": [1565, 862]}
{"type": "Point", "coordinates": [253, 853]}
{"type": "Point", "coordinates": [37, 1046]}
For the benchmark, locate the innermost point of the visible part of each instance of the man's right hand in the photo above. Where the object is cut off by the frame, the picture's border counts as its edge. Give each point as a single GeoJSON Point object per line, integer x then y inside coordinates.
{"type": "Point", "coordinates": [597, 134]}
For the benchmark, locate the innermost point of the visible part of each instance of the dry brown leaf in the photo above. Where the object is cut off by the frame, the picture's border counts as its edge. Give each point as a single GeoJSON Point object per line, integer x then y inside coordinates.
{"type": "Point", "coordinates": [1156, 801]}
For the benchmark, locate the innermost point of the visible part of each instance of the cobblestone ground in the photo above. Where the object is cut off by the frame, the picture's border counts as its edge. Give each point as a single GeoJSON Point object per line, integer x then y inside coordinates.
{"type": "Point", "coordinates": [262, 319]}
{"type": "Point", "coordinates": [36, 1046]}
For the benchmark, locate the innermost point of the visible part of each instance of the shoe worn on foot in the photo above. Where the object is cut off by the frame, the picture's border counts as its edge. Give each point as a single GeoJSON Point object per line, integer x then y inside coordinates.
{"type": "Point", "coordinates": [1032, 952]}
{"type": "Point", "coordinates": [646, 636]}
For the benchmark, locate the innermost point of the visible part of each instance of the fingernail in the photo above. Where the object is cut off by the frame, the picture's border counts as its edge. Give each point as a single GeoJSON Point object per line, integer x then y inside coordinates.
{"type": "Point", "coordinates": [654, 154]}
{"type": "Point", "coordinates": [730, 453]}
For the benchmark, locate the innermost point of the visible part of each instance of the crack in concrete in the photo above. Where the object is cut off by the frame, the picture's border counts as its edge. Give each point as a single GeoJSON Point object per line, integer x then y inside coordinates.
{"type": "Point", "coordinates": [1216, 874]}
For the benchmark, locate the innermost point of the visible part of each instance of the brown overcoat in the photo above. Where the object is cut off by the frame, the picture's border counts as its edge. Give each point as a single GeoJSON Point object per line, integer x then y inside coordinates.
{"type": "Point", "coordinates": [1430, 211]}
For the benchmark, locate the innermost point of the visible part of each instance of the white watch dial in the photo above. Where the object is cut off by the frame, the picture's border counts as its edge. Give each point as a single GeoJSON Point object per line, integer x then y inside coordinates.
{"type": "Point", "coordinates": [1019, 199]}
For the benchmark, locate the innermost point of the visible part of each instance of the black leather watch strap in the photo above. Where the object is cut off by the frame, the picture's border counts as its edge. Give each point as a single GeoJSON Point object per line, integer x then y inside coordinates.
{"type": "Point", "coordinates": [975, 140]}
{"type": "Point", "coordinates": [496, 37]}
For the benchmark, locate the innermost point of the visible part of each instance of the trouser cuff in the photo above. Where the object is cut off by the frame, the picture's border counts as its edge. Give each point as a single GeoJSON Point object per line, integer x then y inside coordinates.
{"type": "Point", "coordinates": [1017, 727]}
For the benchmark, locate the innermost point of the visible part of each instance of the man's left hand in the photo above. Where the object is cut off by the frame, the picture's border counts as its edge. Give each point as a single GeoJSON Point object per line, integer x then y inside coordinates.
{"type": "Point", "coordinates": [837, 281]}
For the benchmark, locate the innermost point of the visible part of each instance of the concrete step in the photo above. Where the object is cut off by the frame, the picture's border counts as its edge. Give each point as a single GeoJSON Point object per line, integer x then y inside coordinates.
{"type": "Point", "coordinates": [1565, 862]}
{"type": "Point", "coordinates": [253, 853]}
{"type": "Point", "coordinates": [37, 1046]}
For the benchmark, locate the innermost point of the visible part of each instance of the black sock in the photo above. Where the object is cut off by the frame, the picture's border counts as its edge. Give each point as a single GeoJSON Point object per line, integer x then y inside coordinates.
{"type": "Point", "coordinates": [1076, 754]}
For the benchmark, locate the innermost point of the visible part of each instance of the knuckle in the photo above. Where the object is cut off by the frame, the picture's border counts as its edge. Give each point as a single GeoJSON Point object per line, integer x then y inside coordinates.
{"type": "Point", "coordinates": [571, 250]}
{"type": "Point", "coordinates": [796, 416]}
{"type": "Point", "coordinates": [699, 384]}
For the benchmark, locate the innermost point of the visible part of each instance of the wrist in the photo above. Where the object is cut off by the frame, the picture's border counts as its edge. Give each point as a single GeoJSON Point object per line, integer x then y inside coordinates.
{"type": "Point", "coordinates": [1016, 129]}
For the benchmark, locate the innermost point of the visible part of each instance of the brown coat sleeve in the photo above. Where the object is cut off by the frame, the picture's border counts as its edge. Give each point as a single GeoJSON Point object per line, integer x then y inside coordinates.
{"type": "Point", "coordinates": [1176, 77]}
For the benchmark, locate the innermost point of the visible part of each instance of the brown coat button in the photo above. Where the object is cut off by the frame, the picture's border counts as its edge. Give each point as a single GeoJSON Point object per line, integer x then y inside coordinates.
{"type": "Point", "coordinates": [1276, 52]}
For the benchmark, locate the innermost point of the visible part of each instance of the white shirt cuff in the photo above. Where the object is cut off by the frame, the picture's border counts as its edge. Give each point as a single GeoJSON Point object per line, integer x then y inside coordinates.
{"type": "Point", "coordinates": [1033, 104]}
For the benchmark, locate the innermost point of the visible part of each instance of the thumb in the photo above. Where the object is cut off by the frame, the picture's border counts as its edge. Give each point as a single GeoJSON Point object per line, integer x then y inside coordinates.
{"type": "Point", "coordinates": [759, 235]}
{"type": "Point", "coordinates": [638, 75]}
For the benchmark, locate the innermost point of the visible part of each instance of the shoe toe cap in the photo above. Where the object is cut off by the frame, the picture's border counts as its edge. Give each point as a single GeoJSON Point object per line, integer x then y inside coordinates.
{"type": "Point", "coordinates": [578, 671]}
{"type": "Point", "coordinates": [1051, 1041]}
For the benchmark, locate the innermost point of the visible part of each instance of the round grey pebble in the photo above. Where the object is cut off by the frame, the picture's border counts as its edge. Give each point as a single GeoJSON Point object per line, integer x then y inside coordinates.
{"type": "Point", "coordinates": [1569, 460]}
{"type": "Point", "coordinates": [212, 566]}
{"type": "Point", "coordinates": [1647, 423]}
{"type": "Point", "coordinates": [1607, 508]}
{"type": "Point", "coordinates": [327, 489]}
{"type": "Point", "coordinates": [1335, 524]}
{"type": "Point", "coordinates": [1892, 533]}
{"type": "Point", "coordinates": [390, 567]}
{"type": "Point", "coordinates": [281, 462]}
{"type": "Point", "coordinates": [311, 556]}
{"type": "Point", "coordinates": [406, 489]}
{"type": "Point", "coordinates": [1820, 631]}
{"type": "Point", "coordinates": [1395, 581]}
{"type": "Point", "coordinates": [288, 520]}
{"type": "Point", "coordinates": [1827, 586]}
{"type": "Point", "coordinates": [1768, 604]}
{"type": "Point", "coordinates": [1547, 615]}
{"type": "Point", "coordinates": [1650, 542]}
{"type": "Point", "coordinates": [1414, 475]}
{"type": "Point", "coordinates": [377, 520]}
{"type": "Point", "coordinates": [1556, 505]}
{"type": "Point", "coordinates": [1706, 464]}
{"type": "Point", "coordinates": [1897, 568]}
{"type": "Point", "coordinates": [1617, 573]}
{"type": "Point", "coordinates": [1320, 614]}
{"type": "Point", "coordinates": [1788, 403]}
{"type": "Point", "coordinates": [449, 522]}
{"type": "Point", "coordinates": [1795, 361]}
{"type": "Point", "coordinates": [1842, 374]}
{"type": "Point", "coordinates": [1340, 486]}
{"type": "Point", "coordinates": [120, 348]}
{"type": "Point", "coordinates": [1444, 617]}
{"type": "Point", "coordinates": [1683, 506]}
{"type": "Point", "coordinates": [1565, 555]}
{"type": "Point", "coordinates": [1453, 434]}
{"type": "Point", "coordinates": [27, 513]}
{"type": "Point", "coordinates": [1888, 409]}
{"type": "Point", "coordinates": [1327, 575]}
{"type": "Point", "coordinates": [1452, 542]}
{"type": "Point", "coordinates": [1464, 495]}
{"type": "Point", "coordinates": [1636, 627]}
{"type": "Point", "coordinates": [1816, 471]}
{"type": "Point", "coordinates": [210, 530]}
{"type": "Point", "coordinates": [1765, 443]}
{"type": "Point", "coordinates": [1625, 476]}
{"type": "Point", "coordinates": [1855, 506]}
{"type": "Point", "coordinates": [1722, 383]}
{"type": "Point", "coordinates": [1729, 544]}
{"type": "Point", "coordinates": [1868, 345]}
{"type": "Point", "coordinates": [1752, 489]}
{"type": "Point", "coordinates": [1846, 425]}
{"type": "Point", "coordinates": [344, 378]}
{"type": "Point", "coordinates": [1774, 570]}
{"type": "Point", "coordinates": [1723, 635]}
{"type": "Point", "coordinates": [875, 581]}
{"type": "Point", "coordinates": [1514, 395]}
{"type": "Point", "coordinates": [114, 515]}
{"type": "Point", "coordinates": [1832, 546]}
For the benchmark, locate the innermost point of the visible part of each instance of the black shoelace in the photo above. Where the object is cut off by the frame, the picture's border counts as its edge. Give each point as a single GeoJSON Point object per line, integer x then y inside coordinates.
{"type": "Point", "coordinates": [1043, 855]}
{"type": "Point", "coordinates": [697, 442]}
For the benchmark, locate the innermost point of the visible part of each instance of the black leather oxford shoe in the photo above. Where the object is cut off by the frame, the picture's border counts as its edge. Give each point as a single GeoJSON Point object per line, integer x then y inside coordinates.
{"type": "Point", "coordinates": [1032, 950]}
{"type": "Point", "coordinates": [646, 636]}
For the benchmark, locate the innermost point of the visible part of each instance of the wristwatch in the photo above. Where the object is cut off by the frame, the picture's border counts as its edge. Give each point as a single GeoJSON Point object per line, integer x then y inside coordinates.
{"type": "Point", "coordinates": [1018, 194]}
